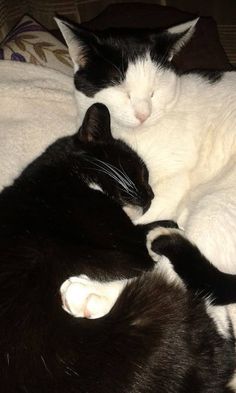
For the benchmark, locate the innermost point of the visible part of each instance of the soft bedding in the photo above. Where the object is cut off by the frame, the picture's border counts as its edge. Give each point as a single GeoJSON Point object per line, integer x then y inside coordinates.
{"type": "Point", "coordinates": [37, 107]}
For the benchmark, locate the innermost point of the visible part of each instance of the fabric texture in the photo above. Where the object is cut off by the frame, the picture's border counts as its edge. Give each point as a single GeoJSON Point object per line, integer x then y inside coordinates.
{"type": "Point", "coordinates": [30, 42]}
{"type": "Point", "coordinates": [39, 107]}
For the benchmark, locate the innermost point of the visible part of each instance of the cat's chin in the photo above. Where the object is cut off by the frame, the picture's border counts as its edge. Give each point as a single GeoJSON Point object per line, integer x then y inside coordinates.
{"type": "Point", "coordinates": [133, 212]}
{"type": "Point", "coordinates": [119, 129]}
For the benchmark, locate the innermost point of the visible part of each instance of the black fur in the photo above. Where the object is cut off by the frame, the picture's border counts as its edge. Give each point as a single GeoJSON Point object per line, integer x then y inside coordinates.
{"type": "Point", "coordinates": [52, 226]}
{"type": "Point", "coordinates": [195, 270]}
{"type": "Point", "coordinates": [112, 50]}
{"type": "Point", "coordinates": [211, 76]}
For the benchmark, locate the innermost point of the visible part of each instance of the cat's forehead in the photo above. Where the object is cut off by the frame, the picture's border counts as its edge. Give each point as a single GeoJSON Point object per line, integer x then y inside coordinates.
{"type": "Point", "coordinates": [143, 69]}
{"type": "Point", "coordinates": [121, 59]}
{"type": "Point", "coordinates": [129, 44]}
{"type": "Point", "coordinates": [114, 151]}
{"type": "Point", "coordinates": [115, 155]}
{"type": "Point", "coordinates": [126, 38]}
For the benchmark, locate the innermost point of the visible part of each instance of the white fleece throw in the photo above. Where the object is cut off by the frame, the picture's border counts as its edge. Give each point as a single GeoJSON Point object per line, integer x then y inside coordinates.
{"type": "Point", "coordinates": [37, 107]}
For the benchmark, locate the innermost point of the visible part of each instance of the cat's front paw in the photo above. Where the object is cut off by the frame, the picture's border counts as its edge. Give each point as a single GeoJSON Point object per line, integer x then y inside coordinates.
{"type": "Point", "coordinates": [159, 238]}
{"type": "Point", "coordinates": [82, 297]}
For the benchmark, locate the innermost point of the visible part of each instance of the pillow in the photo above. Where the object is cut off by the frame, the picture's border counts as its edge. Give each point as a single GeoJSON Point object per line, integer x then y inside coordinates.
{"type": "Point", "coordinates": [30, 42]}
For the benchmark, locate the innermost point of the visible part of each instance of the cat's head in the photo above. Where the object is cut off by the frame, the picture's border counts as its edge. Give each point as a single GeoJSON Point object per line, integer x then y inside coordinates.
{"type": "Point", "coordinates": [109, 165]}
{"type": "Point", "coordinates": [128, 70]}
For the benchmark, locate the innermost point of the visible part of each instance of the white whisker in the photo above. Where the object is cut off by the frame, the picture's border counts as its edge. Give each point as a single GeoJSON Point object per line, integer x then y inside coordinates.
{"type": "Point", "coordinates": [116, 174]}
{"type": "Point", "coordinates": [127, 177]}
{"type": "Point", "coordinates": [119, 173]}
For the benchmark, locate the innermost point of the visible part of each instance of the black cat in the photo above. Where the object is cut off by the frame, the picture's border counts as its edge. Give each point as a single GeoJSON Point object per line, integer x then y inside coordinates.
{"type": "Point", "coordinates": [62, 217]}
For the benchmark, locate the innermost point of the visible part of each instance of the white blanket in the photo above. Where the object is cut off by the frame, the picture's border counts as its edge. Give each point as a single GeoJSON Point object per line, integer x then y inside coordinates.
{"type": "Point", "coordinates": [37, 106]}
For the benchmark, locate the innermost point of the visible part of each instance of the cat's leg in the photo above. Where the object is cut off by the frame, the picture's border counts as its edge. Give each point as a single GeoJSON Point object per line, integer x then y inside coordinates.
{"type": "Point", "coordinates": [146, 228]}
{"type": "Point", "coordinates": [196, 272]}
{"type": "Point", "coordinates": [86, 298]}
{"type": "Point", "coordinates": [168, 194]}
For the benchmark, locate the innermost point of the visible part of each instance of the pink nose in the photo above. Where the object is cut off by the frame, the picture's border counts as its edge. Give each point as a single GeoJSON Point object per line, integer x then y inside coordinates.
{"type": "Point", "coordinates": [141, 116]}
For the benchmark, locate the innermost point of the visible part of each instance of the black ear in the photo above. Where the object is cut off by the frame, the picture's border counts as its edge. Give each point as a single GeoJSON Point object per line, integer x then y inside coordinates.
{"type": "Point", "coordinates": [96, 125]}
{"type": "Point", "coordinates": [79, 41]}
{"type": "Point", "coordinates": [179, 36]}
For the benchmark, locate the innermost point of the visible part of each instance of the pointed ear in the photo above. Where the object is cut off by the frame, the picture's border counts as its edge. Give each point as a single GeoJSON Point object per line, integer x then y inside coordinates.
{"type": "Point", "coordinates": [77, 40]}
{"type": "Point", "coordinates": [180, 35]}
{"type": "Point", "coordinates": [96, 125]}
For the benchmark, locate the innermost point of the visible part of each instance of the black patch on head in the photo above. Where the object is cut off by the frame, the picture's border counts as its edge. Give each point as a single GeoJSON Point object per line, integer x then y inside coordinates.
{"type": "Point", "coordinates": [104, 67]}
{"type": "Point", "coordinates": [108, 56]}
{"type": "Point", "coordinates": [162, 44]}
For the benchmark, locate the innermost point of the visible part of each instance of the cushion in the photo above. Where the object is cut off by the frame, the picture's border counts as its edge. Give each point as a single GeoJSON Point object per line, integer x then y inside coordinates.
{"type": "Point", "coordinates": [30, 42]}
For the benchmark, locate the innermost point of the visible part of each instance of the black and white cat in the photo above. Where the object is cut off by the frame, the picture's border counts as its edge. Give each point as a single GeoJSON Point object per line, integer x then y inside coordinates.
{"type": "Point", "coordinates": [182, 124]}
{"type": "Point", "coordinates": [62, 218]}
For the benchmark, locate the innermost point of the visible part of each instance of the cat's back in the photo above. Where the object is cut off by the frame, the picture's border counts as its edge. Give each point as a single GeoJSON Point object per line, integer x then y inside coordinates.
{"type": "Point", "coordinates": [208, 89]}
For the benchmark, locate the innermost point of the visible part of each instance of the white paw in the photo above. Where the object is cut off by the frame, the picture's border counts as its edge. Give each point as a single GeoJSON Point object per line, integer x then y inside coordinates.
{"type": "Point", "coordinates": [86, 298]}
{"type": "Point", "coordinates": [81, 298]}
{"type": "Point", "coordinates": [154, 234]}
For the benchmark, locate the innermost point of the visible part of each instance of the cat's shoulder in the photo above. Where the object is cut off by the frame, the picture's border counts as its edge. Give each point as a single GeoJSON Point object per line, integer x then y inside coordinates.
{"type": "Point", "coordinates": [212, 76]}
